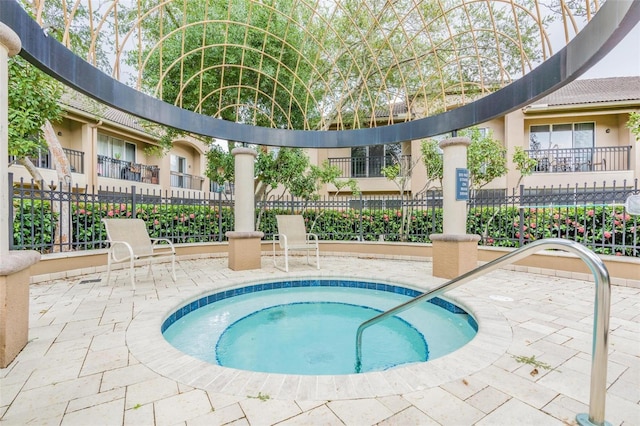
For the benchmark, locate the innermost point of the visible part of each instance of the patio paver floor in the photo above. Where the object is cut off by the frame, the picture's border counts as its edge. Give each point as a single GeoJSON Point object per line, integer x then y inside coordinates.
{"type": "Point", "coordinates": [94, 356]}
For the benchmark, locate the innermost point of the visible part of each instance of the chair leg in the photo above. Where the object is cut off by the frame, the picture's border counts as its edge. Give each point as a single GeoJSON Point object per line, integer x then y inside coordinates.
{"type": "Point", "coordinates": [108, 267]}
{"type": "Point", "coordinates": [274, 252]}
{"type": "Point", "coordinates": [317, 258]}
{"type": "Point", "coordinates": [286, 259]}
{"type": "Point", "coordinates": [132, 274]}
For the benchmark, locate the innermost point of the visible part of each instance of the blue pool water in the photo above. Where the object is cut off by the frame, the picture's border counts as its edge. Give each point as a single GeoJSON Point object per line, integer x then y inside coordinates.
{"type": "Point", "coordinates": [309, 327]}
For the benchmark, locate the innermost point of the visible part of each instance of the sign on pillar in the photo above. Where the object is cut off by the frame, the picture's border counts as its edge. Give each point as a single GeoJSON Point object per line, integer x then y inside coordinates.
{"type": "Point", "coordinates": [462, 184]}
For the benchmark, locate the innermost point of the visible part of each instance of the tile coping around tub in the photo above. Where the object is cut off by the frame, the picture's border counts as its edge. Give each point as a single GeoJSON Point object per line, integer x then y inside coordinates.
{"type": "Point", "coordinates": [147, 344]}
{"type": "Point", "coordinates": [317, 282]}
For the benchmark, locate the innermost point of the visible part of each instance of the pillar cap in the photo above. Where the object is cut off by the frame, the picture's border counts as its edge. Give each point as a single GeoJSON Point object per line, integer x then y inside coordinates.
{"type": "Point", "coordinates": [457, 238]}
{"type": "Point", "coordinates": [10, 40]}
{"type": "Point", "coordinates": [18, 260]}
{"type": "Point", "coordinates": [244, 234]}
{"type": "Point", "coordinates": [243, 150]}
{"type": "Point", "coordinates": [458, 140]}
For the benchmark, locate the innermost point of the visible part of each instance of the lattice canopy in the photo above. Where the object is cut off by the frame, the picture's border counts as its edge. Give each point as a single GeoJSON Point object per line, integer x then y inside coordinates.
{"type": "Point", "coordinates": [316, 64]}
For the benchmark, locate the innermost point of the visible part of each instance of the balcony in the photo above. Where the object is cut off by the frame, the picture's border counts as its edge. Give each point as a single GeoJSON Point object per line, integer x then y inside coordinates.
{"type": "Point", "coordinates": [185, 181]}
{"type": "Point", "coordinates": [43, 160]}
{"type": "Point", "coordinates": [127, 170]}
{"type": "Point", "coordinates": [569, 160]}
{"type": "Point", "coordinates": [366, 167]}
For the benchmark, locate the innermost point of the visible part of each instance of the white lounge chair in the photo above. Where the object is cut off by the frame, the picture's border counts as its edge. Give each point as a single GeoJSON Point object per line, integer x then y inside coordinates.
{"type": "Point", "coordinates": [129, 241]}
{"type": "Point", "coordinates": [292, 235]}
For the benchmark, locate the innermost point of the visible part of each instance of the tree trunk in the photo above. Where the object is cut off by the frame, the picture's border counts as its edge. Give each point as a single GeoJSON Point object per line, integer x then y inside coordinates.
{"type": "Point", "coordinates": [34, 172]}
{"type": "Point", "coordinates": [63, 170]}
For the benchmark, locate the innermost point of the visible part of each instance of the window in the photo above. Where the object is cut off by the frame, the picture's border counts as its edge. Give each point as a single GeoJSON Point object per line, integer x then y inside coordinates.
{"type": "Point", "coordinates": [563, 147]}
{"type": "Point", "coordinates": [112, 147]}
{"type": "Point", "coordinates": [178, 168]}
{"type": "Point", "coordinates": [368, 161]}
{"type": "Point", "coordinates": [558, 136]}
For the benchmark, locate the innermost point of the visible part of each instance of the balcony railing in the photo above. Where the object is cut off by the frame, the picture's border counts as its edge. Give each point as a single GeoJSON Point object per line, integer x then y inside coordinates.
{"type": "Point", "coordinates": [183, 180]}
{"type": "Point", "coordinates": [43, 160]}
{"type": "Point", "coordinates": [563, 160]}
{"type": "Point", "coordinates": [127, 170]}
{"type": "Point", "coordinates": [366, 167]}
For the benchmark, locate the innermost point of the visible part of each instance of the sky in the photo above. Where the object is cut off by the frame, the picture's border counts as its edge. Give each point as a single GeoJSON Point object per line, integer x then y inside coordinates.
{"type": "Point", "coordinates": [622, 61]}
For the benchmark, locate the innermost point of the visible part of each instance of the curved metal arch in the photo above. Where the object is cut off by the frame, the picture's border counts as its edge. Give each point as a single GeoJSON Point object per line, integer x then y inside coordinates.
{"type": "Point", "coordinates": [239, 86]}
{"type": "Point", "coordinates": [187, 143]}
{"type": "Point", "coordinates": [612, 22]}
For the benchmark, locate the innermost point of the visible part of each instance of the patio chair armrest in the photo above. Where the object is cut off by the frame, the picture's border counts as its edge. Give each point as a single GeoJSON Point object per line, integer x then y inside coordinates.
{"type": "Point", "coordinates": [114, 244]}
{"type": "Point", "coordinates": [280, 238]}
{"type": "Point", "coordinates": [155, 241]}
{"type": "Point", "coordinates": [312, 236]}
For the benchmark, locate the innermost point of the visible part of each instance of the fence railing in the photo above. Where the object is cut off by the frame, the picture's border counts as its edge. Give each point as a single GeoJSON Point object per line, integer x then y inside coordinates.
{"type": "Point", "coordinates": [127, 170]}
{"type": "Point", "coordinates": [43, 160]}
{"type": "Point", "coordinates": [594, 216]}
{"type": "Point", "coordinates": [366, 167]}
{"type": "Point", "coordinates": [562, 160]}
{"type": "Point", "coordinates": [186, 181]}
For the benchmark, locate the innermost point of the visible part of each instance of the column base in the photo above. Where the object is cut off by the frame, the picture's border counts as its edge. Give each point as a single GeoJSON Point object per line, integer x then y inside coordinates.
{"type": "Point", "coordinates": [245, 250]}
{"type": "Point", "coordinates": [14, 303]}
{"type": "Point", "coordinates": [453, 254]}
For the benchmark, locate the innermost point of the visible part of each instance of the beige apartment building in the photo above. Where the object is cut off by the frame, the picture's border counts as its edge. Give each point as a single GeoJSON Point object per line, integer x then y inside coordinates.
{"type": "Point", "coordinates": [577, 135]}
{"type": "Point", "coordinates": [108, 149]}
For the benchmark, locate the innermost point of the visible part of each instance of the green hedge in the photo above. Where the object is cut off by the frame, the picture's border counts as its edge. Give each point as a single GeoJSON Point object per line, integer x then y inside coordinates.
{"type": "Point", "coordinates": [603, 229]}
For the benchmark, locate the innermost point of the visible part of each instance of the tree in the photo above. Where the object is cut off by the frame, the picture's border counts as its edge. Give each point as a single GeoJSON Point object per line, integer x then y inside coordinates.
{"type": "Point", "coordinates": [486, 158]}
{"type": "Point", "coordinates": [33, 105]}
{"type": "Point", "coordinates": [432, 159]}
{"type": "Point", "coordinates": [400, 174]}
{"type": "Point", "coordinates": [69, 22]}
{"type": "Point", "coordinates": [287, 169]}
{"type": "Point", "coordinates": [634, 124]}
{"type": "Point", "coordinates": [328, 174]}
{"type": "Point", "coordinates": [241, 62]}
{"type": "Point", "coordinates": [33, 100]}
{"type": "Point", "coordinates": [430, 55]}
{"type": "Point", "coordinates": [524, 164]}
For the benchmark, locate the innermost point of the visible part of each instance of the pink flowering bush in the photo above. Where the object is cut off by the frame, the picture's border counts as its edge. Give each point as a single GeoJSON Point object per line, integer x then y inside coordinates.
{"type": "Point", "coordinates": [604, 229]}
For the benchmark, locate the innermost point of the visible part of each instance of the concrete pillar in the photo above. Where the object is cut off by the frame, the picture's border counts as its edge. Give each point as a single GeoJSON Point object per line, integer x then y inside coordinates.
{"type": "Point", "coordinates": [89, 136]}
{"type": "Point", "coordinates": [14, 265]}
{"type": "Point", "coordinates": [10, 45]}
{"type": "Point", "coordinates": [514, 136]}
{"type": "Point", "coordinates": [454, 251]}
{"type": "Point", "coordinates": [245, 246]}
{"type": "Point", "coordinates": [14, 303]}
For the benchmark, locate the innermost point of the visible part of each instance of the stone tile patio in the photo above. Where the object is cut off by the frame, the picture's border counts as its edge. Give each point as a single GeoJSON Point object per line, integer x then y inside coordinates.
{"type": "Point", "coordinates": [96, 356]}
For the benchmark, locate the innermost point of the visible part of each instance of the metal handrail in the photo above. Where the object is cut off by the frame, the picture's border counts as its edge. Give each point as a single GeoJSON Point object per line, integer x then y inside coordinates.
{"type": "Point", "coordinates": [600, 322]}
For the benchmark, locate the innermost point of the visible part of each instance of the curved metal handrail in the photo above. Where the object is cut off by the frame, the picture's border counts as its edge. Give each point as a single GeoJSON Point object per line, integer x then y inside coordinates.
{"type": "Point", "coordinates": [600, 322]}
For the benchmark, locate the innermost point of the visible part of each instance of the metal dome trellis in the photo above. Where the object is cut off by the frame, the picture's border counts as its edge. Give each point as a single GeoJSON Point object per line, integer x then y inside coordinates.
{"type": "Point", "coordinates": [305, 64]}
{"type": "Point", "coordinates": [315, 65]}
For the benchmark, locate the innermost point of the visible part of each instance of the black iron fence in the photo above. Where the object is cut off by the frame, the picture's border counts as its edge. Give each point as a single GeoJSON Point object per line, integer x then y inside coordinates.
{"type": "Point", "coordinates": [186, 181]}
{"type": "Point", "coordinates": [44, 161]}
{"type": "Point", "coordinates": [127, 170]}
{"type": "Point", "coordinates": [562, 160]}
{"type": "Point", "coordinates": [64, 219]}
{"type": "Point", "coordinates": [366, 167]}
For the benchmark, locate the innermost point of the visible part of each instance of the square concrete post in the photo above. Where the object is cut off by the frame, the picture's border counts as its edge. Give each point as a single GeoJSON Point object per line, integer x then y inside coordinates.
{"type": "Point", "coordinates": [454, 251]}
{"type": "Point", "coordinates": [14, 303]}
{"type": "Point", "coordinates": [14, 265]}
{"type": "Point", "coordinates": [245, 247]}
